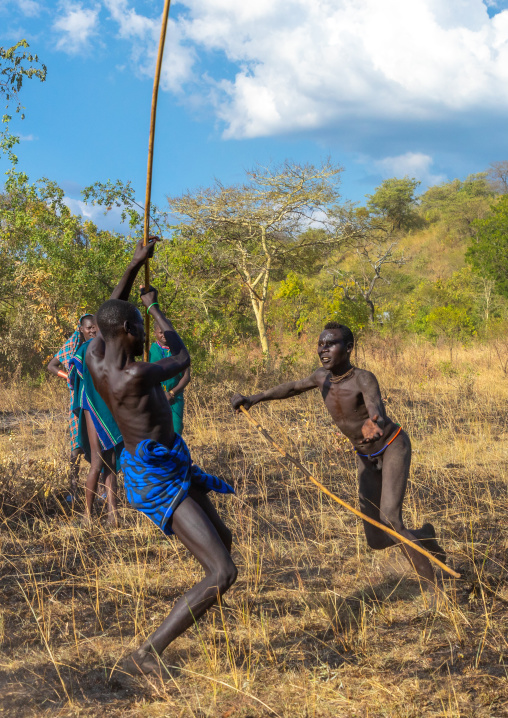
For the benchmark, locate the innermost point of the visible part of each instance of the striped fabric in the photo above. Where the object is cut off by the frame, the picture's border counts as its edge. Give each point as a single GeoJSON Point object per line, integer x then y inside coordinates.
{"type": "Point", "coordinates": [73, 429]}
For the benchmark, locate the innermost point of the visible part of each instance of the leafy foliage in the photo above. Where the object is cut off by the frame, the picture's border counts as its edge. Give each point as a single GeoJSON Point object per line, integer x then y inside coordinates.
{"type": "Point", "coordinates": [458, 204]}
{"type": "Point", "coordinates": [488, 253]}
{"type": "Point", "coordinates": [16, 65]}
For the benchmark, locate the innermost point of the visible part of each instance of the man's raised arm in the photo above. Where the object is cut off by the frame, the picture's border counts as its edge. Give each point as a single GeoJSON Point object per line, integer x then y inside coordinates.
{"type": "Point", "coordinates": [180, 358]}
{"type": "Point", "coordinates": [282, 391]}
{"type": "Point", "coordinates": [141, 254]}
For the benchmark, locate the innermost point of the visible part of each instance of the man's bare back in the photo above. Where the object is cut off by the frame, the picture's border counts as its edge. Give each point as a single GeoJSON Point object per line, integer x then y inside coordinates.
{"type": "Point", "coordinates": [131, 389]}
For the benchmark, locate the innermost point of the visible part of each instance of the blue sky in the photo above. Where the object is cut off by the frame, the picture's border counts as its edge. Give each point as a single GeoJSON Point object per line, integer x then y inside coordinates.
{"type": "Point", "coordinates": [416, 87]}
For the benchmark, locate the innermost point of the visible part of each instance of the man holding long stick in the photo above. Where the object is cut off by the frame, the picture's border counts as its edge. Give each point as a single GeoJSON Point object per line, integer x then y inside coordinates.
{"type": "Point", "coordinates": [159, 477]}
{"type": "Point", "coordinates": [383, 449]}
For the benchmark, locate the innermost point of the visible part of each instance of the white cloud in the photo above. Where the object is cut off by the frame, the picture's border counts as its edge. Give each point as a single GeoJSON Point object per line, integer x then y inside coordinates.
{"type": "Point", "coordinates": [30, 8]}
{"type": "Point", "coordinates": [111, 221]}
{"type": "Point", "coordinates": [143, 34]}
{"type": "Point", "coordinates": [75, 26]}
{"type": "Point", "coordinates": [284, 66]}
{"type": "Point", "coordinates": [411, 164]}
{"type": "Point", "coordinates": [28, 138]}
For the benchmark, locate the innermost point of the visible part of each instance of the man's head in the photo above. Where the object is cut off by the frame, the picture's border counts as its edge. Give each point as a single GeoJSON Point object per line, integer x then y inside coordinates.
{"type": "Point", "coordinates": [335, 345]}
{"type": "Point", "coordinates": [117, 318]}
{"type": "Point", "coordinates": [87, 327]}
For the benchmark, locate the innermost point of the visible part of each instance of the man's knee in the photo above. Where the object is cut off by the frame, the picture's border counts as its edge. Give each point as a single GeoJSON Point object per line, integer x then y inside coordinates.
{"type": "Point", "coordinates": [226, 576]}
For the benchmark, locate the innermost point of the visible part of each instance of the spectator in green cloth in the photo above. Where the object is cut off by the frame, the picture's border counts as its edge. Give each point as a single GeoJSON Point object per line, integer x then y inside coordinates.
{"type": "Point", "coordinates": [60, 366]}
{"type": "Point", "coordinates": [173, 387]}
{"type": "Point", "coordinates": [98, 436]}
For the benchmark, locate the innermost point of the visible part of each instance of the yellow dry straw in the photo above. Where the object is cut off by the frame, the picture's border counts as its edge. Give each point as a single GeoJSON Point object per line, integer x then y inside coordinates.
{"type": "Point", "coordinates": [158, 67]}
{"type": "Point", "coordinates": [361, 515]}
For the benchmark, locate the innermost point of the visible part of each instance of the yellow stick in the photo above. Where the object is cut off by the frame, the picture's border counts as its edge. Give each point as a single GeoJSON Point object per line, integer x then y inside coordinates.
{"type": "Point", "coordinates": [361, 515]}
{"type": "Point", "coordinates": [158, 67]}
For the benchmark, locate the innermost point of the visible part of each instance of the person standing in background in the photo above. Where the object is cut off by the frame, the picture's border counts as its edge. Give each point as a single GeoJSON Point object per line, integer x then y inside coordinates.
{"type": "Point", "coordinates": [59, 366]}
{"type": "Point", "coordinates": [173, 387]}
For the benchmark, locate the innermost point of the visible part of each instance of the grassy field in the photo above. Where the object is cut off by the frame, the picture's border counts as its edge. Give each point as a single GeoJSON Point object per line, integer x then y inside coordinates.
{"type": "Point", "coordinates": [317, 624]}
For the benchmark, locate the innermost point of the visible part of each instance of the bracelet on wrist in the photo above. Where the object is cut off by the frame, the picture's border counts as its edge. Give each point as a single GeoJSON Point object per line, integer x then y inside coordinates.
{"type": "Point", "coordinates": [152, 305]}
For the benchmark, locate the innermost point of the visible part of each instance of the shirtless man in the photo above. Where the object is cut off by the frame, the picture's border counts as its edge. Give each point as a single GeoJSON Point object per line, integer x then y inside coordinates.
{"type": "Point", "coordinates": [383, 449]}
{"type": "Point", "coordinates": [159, 477]}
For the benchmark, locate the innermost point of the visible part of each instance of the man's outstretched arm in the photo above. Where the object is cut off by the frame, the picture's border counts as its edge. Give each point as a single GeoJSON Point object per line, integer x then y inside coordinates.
{"type": "Point", "coordinates": [282, 391]}
{"type": "Point", "coordinates": [141, 254]}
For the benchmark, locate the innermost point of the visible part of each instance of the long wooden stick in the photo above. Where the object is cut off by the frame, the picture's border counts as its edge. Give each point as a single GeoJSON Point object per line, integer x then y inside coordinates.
{"type": "Point", "coordinates": [361, 515]}
{"type": "Point", "coordinates": [153, 116]}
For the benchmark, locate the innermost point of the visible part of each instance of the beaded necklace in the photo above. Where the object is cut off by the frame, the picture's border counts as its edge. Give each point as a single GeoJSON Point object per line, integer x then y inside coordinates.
{"type": "Point", "coordinates": [337, 379]}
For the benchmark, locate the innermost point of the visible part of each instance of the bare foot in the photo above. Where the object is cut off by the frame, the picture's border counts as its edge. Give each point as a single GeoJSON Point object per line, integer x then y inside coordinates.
{"type": "Point", "coordinates": [429, 543]}
{"type": "Point", "coordinates": [143, 663]}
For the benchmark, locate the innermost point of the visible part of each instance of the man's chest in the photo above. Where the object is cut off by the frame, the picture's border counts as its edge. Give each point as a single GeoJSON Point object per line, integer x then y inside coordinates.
{"type": "Point", "coordinates": [343, 403]}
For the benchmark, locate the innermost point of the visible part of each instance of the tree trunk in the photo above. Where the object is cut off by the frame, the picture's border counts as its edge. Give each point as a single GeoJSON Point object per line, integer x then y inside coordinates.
{"type": "Point", "coordinates": [370, 305]}
{"type": "Point", "coordinates": [259, 312]}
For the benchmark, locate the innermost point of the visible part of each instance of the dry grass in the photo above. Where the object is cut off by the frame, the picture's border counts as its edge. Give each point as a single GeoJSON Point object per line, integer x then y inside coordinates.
{"type": "Point", "coordinates": [317, 624]}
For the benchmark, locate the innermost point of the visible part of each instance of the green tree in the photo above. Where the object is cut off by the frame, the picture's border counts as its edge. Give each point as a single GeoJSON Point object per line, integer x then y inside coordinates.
{"type": "Point", "coordinates": [55, 266]}
{"type": "Point", "coordinates": [16, 65]}
{"type": "Point", "coordinates": [458, 204]}
{"type": "Point", "coordinates": [488, 252]}
{"type": "Point", "coordinates": [395, 201]}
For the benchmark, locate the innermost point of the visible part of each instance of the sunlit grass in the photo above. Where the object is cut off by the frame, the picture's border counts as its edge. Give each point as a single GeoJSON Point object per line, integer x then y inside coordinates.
{"type": "Point", "coordinates": [317, 624]}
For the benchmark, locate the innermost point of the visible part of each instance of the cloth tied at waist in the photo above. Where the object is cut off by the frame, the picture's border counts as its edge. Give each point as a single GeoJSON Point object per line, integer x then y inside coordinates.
{"type": "Point", "coordinates": [158, 479]}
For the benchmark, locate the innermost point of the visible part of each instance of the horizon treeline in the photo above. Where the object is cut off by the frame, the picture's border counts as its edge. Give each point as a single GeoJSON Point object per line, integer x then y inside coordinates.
{"type": "Point", "coordinates": [267, 261]}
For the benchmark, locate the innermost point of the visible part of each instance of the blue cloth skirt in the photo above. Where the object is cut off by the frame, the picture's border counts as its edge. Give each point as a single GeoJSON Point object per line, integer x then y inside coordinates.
{"type": "Point", "coordinates": [157, 479]}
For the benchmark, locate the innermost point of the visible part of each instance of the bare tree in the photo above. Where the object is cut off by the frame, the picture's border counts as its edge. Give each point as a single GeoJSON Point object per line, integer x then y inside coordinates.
{"type": "Point", "coordinates": [262, 223]}
{"type": "Point", "coordinates": [498, 176]}
{"type": "Point", "coordinates": [373, 255]}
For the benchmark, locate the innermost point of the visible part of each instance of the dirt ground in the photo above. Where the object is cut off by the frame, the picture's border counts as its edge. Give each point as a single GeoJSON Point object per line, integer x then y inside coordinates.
{"type": "Point", "coordinates": [317, 625]}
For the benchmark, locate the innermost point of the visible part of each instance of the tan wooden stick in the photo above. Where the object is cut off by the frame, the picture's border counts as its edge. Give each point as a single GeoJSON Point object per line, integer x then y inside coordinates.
{"type": "Point", "coordinates": [153, 116]}
{"type": "Point", "coordinates": [361, 515]}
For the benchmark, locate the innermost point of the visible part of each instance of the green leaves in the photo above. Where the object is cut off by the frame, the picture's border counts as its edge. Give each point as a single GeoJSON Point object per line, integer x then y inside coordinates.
{"type": "Point", "coordinates": [16, 65]}
{"type": "Point", "coordinates": [488, 252]}
{"type": "Point", "coordinates": [394, 200]}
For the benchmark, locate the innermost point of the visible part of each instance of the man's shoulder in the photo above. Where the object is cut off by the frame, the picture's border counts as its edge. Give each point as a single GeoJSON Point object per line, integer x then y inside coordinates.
{"type": "Point", "coordinates": [319, 375]}
{"type": "Point", "coordinates": [365, 377]}
{"type": "Point", "coordinates": [93, 350]}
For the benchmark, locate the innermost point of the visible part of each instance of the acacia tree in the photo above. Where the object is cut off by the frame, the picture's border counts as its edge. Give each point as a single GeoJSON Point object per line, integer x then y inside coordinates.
{"type": "Point", "coordinates": [260, 226]}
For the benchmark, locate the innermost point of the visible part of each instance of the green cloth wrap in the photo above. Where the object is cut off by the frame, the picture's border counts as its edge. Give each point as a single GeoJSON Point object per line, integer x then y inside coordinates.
{"type": "Point", "coordinates": [156, 354]}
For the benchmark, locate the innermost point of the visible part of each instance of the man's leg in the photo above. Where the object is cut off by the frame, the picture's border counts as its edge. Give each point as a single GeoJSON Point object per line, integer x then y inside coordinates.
{"type": "Point", "coordinates": [203, 500]}
{"type": "Point", "coordinates": [197, 533]}
{"type": "Point", "coordinates": [396, 463]}
{"type": "Point", "coordinates": [95, 467]}
{"type": "Point", "coordinates": [370, 485]}
{"type": "Point", "coordinates": [109, 462]}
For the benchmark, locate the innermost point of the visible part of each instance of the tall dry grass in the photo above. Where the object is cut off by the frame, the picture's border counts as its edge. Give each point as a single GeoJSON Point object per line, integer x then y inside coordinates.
{"type": "Point", "coordinates": [317, 624]}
